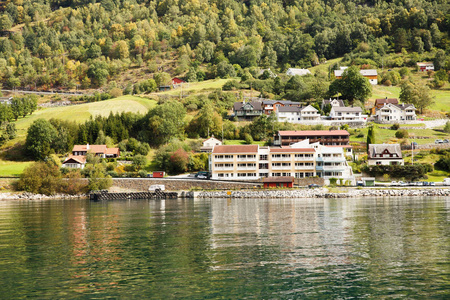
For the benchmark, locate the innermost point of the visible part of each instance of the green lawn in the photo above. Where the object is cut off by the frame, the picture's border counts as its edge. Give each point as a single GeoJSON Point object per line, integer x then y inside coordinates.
{"type": "Point", "coordinates": [12, 168]}
{"type": "Point", "coordinates": [82, 112]}
{"type": "Point", "coordinates": [242, 142]}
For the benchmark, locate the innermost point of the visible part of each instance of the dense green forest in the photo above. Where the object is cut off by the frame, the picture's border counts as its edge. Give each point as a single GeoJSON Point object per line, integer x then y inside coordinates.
{"type": "Point", "coordinates": [70, 44]}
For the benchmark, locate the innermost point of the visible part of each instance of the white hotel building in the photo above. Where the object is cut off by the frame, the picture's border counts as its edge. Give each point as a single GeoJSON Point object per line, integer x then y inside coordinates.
{"type": "Point", "coordinates": [300, 160]}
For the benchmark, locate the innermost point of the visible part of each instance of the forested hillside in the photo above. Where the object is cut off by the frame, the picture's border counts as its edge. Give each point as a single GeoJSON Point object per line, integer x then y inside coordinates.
{"type": "Point", "coordinates": [79, 43]}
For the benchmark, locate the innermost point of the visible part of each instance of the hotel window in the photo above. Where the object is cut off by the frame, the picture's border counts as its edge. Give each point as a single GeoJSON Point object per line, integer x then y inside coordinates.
{"type": "Point", "coordinates": [299, 155]}
{"type": "Point", "coordinates": [286, 174]}
{"type": "Point", "coordinates": [263, 174]}
{"type": "Point", "coordinates": [276, 164]}
{"type": "Point", "coordinates": [309, 174]}
{"type": "Point", "coordinates": [286, 155]}
{"type": "Point", "coordinates": [251, 174]}
{"type": "Point", "coordinates": [228, 156]}
{"type": "Point", "coordinates": [286, 164]}
{"type": "Point", "coordinates": [299, 164]}
{"type": "Point", "coordinates": [219, 156]}
{"type": "Point", "coordinates": [219, 165]}
{"type": "Point", "coordinates": [263, 157]}
{"type": "Point", "coordinates": [242, 165]}
{"type": "Point", "coordinates": [276, 155]}
{"type": "Point", "coordinates": [299, 175]}
{"type": "Point", "coordinates": [276, 174]}
{"type": "Point", "coordinates": [242, 174]}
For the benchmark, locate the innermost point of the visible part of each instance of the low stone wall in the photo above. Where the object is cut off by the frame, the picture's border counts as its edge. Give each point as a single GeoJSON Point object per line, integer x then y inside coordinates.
{"type": "Point", "coordinates": [142, 184]}
{"type": "Point", "coordinates": [323, 193]}
{"type": "Point", "coordinates": [309, 180]}
{"type": "Point", "coordinates": [426, 146]}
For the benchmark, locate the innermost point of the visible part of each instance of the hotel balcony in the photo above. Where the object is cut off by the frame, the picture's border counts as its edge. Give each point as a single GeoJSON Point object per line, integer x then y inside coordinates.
{"type": "Point", "coordinates": [216, 160]}
{"type": "Point", "coordinates": [223, 168]}
{"type": "Point", "coordinates": [281, 168]}
{"type": "Point", "coordinates": [281, 158]}
{"type": "Point", "coordinates": [304, 167]}
{"type": "Point", "coordinates": [247, 168]}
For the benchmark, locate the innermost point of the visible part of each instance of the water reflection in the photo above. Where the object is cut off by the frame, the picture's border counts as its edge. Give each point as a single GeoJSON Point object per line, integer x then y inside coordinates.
{"type": "Point", "coordinates": [222, 248]}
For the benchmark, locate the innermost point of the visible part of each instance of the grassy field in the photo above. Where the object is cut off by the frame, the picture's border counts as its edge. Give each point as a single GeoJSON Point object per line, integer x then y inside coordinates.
{"type": "Point", "coordinates": [388, 136]}
{"type": "Point", "coordinates": [82, 112]}
{"type": "Point", "coordinates": [12, 168]}
{"type": "Point", "coordinates": [194, 87]}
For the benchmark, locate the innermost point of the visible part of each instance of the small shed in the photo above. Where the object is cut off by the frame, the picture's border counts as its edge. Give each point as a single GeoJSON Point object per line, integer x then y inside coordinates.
{"type": "Point", "coordinates": [163, 88]}
{"type": "Point", "coordinates": [368, 181]}
{"type": "Point", "coordinates": [278, 181]}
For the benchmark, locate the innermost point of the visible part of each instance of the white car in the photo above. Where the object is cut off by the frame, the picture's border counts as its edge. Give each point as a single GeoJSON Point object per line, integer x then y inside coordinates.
{"type": "Point", "coordinates": [394, 183]}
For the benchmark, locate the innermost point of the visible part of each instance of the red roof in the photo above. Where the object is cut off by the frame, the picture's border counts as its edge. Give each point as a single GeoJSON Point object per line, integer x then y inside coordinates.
{"type": "Point", "coordinates": [313, 132]}
{"type": "Point", "coordinates": [177, 80]}
{"type": "Point", "coordinates": [223, 149]}
{"type": "Point", "coordinates": [112, 151]}
{"type": "Point", "coordinates": [81, 159]}
{"type": "Point", "coordinates": [279, 179]}
{"type": "Point", "coordinates": [291, 150]}
{"type": "Point", "coordinates": [92, 148]}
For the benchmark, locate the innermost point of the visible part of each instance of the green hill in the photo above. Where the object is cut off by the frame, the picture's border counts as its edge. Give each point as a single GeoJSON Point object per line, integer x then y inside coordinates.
{"type": "Point", "coordinates": [82, 112]}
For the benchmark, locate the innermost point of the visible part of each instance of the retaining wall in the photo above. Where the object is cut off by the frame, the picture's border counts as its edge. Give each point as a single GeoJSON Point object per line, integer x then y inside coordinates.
{"type": "Point", "coordinates": [142, 184]}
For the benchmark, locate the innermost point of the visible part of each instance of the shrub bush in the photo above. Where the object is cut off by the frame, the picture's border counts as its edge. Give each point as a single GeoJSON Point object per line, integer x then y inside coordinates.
{"type": "Point", "coordinates": [401, 134]}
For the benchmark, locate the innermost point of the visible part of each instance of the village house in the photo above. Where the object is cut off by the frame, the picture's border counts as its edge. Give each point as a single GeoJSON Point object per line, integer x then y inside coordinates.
{"type": "Point", "coordinates": [74, 161]}
{"type": "Point", "coordinates": [379, 103]}
{"type": "Point", "coordinates": [300, 160]}
{"type": "Point", "coordinates": [396, 112]}
{"type": "Point", "coordinates": [296, 114]}
{"type": "Point", "coordinates": [177, 82]}
{"type": "Point", "coordinates": [79, 152]}
{"type": "Point", "coordinates": [349, 114]}
{"type": "Point", "coordinates": [385, 154]}
{"type": "Point", "coordinates": [299, 72]}
{"type": "Point", "coordinates": [370, 74]}
{"type": "Point", "coordinates": [270, 106]}
{"type": "Point", "coordinates": [247, 110]}
{"type": "Point", "coordinates": [425, 66]}
{"type": "Point", "coordinates": [331, 103]}
{"type": "Point", "coordinates": [325, 137]}
{"type": "Point", "coordinates": [209, 144]}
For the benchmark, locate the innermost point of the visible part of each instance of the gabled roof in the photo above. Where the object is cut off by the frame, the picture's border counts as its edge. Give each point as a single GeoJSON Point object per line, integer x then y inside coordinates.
{"type": "Point", "coordinates": [328, 101]}
{"type": "Point", "coordinates": [313, 132]}
{"type": "Point", "coordinates": [380, 148]}
{"type": "Point", "coordinates": [81, 159]}
{"type": "Point", "coordinates": [404, 106]}
{"type": "Point", "coordinates": [386, 100]}
{"type": "Point", "coordinates": [256, 105]}
{"type": "Point", "coordinates": [425, 64]}
{"type": "Point", "coordinates": [300, 72]}
{"type": "Point", "coordinates": [347, 109]}
{"type": "Point", "coordinates": [235, 149]}
{"type": "Point", "coordinates": [112, 151]}
{"type": "Point", "coordinates": [296, 108]}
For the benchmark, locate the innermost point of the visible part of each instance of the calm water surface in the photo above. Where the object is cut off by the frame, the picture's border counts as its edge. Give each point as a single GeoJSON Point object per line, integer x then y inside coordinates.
{"type": "Point", "coordinates": [228, 249]}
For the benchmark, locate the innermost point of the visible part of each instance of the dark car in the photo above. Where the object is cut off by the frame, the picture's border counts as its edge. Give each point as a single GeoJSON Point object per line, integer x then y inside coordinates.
{"type": "Point", "coordinates": [203, 175]}
{"type": "Point", "coordinates": [313, 185]}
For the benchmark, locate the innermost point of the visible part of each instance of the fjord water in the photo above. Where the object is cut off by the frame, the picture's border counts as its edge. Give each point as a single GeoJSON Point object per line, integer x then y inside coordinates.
{"type": "Point", "coordinates": [222, 248]}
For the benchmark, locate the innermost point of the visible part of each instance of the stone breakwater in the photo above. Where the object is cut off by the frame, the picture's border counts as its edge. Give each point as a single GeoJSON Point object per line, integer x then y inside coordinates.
{"type": "Point", "coordinates": [31, 196]}
{"type": "Point", "coordinates": [324, 193]}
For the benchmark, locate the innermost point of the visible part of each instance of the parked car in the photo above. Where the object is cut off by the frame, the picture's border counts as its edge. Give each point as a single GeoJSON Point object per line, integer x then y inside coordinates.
{"type": "Point", "coordinates": [446, 181]}
{"type": "Point", "coordinates": [432, 183]}
{"type": "Point", "coordinates": [446, 141]}
{"type": "Point", "coordinates": [394, 183]}
{"type": "Point", "coordinates": [313, 185]}
{"type": "Point", "coordinates": [438, 141]}
{"type": "Point", "coordinates": [203, 175]}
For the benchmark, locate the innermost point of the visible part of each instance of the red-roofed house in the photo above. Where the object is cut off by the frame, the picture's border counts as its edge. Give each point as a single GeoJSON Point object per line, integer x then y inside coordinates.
{"type": "Point", "coordinates": [99, 150]}
{"type": "Point", "coordinates": [324, 137]}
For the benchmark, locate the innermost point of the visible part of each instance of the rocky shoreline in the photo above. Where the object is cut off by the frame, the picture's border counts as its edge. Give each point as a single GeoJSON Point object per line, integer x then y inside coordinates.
{"type": "Point", "coordinates": [324, 193]}
{"type": "Point", "coordinates": [286, 193]}
{"type": "Point", "coordinates": [31, 196]}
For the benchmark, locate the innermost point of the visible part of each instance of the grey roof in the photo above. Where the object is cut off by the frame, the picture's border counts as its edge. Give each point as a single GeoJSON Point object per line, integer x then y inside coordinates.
{"type": "Point", "coordinates": [284, 102]}
{"type": "Point", "coordinates": [380, 148]}
{"type": "Point", "coordinates": [326, 102]}
{"type": "Point", "coordinates": [371, 72]}
{"type": "Point", "coordinates": [256, 105]}
{"type": "Point", "coordinates": [289, 109]}
{"type": "Point", "coordinates": [294, 108]}
{"type": "Point", "coordinates": [347, 109]}
{"type": "Point", "coordinates": [403, 106]}
{"type": "Point", "coordinates": [300, 72]}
